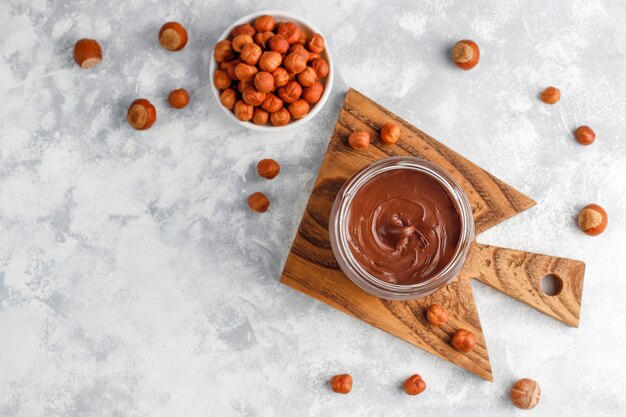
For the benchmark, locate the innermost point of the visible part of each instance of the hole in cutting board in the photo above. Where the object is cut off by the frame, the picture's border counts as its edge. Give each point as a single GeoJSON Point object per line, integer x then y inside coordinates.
{"type": "Point", "coordinates": [551, 285]}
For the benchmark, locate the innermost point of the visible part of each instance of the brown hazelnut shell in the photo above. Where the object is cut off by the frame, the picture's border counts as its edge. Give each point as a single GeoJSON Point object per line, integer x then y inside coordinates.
{"type": "Point", "coordinates": [268, 168]}
{"type": "Point", "coordinates": [141, 114]}
{"type": "Point", "coordinates": [298, 109]}
{"type": "Point", "coordinates": [465, 54]}
{"type": "Point", "coordinates": [243, 111]}
{"type": "Point", "coordinates": [87, 53]}
{"type": "Point", "coordinates": [585, 135]}
{"type": "Point", "coordinates": [243, 29]}
{"type": "Point", "coordinates": [281, 77]}
{"type": "Point", "coordinates": [316, 43]}
{"type": "Point", "coordinates": [272, 103]}
{"type": "Point", "coordinates": [414, 385]}
{"type": "Point", "coordinates": [290, 31]}
{"type": "Point", "coordinates": [260, 116]}
{"type": "Point", "coordinates": [278, 44]}
{"type": "Point", "coordinates": [525, 394]}
{"type": "Point", "coordinates": [290, 92]}
{"type": "Point", "coordinates": [592, 219]}
{"type": "Point", "coordinates": [264, 23]}
{"type": "Point", "coordinates": [341, 384]}
{"type": "Point", "coordinates": [228, 98]}
{"type": "Point", "coordinates": [223, 51]}
{"type": "Point", "coordinates": [221, 79]}
{"type": "Point", "coordinates": [313, 93]}
{"type": "Point", "coordinates": [280, 117]}
{"type": "Point", "coordinates": [294, 63]}
{"type": "Point", "coordinates": [270, 61]}
{"type": "Point", "coordinates": [258, 202]}
{"type": "Point", "coordinates": [179, 98]}
{"type": "Point", "coordinates": [463, 340]}
{"type": "Point", "coordinates": [321, 67]}
{"type": "Point", "coordinates": [173, 36]}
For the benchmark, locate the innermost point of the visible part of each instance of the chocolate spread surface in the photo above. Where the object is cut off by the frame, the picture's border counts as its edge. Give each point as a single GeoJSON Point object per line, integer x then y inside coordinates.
{"type": "Point", "coordinates": [403, 226]}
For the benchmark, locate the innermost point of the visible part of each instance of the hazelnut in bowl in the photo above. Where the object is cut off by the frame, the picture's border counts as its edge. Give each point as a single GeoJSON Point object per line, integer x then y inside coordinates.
{"type": "Point", "coordinates": [271, 71]}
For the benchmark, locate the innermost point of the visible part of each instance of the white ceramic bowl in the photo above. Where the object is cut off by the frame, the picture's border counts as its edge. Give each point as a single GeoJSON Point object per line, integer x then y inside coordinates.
{"type": "Point", "coordinates": [327, 82]}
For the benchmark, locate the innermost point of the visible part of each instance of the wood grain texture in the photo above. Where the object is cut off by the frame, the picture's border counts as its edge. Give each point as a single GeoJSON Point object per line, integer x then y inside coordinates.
{"type": "Point", "coordinates": [312, 269]}
{"type": "Point", "coordinates": [519, 275]}
{"type": "Point", "coordinates": [403, 319]}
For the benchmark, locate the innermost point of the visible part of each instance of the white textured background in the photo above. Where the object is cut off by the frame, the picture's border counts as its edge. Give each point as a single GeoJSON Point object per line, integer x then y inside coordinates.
{"type": "Point", "coordinates": [135, 282]}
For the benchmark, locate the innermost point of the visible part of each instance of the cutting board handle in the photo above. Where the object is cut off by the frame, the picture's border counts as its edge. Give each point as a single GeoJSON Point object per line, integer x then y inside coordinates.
{"type": "Point", "coordinates": [519, 275]}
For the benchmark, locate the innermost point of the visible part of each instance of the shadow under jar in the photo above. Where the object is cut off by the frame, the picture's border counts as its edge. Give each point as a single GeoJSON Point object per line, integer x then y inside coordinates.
{"type": "Point", "coordinates": [401, 228]}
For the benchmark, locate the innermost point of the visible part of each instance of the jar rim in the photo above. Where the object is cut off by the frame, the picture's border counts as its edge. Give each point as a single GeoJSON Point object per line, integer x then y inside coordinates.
{"type": "Point", "coordinates": [338, 229]}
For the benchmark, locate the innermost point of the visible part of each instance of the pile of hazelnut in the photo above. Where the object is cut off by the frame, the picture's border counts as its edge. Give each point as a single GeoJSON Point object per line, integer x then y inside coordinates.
{"type": "Point", "coordinates": [270, 71]}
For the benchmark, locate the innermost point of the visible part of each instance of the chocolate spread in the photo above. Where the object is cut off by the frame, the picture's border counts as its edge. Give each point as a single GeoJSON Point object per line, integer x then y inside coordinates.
{"type": "Point", "coordinates": [403, 226]}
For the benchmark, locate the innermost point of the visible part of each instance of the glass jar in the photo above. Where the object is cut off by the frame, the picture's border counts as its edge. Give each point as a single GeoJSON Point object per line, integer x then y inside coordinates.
{"type": "Point", "coordinates": [339, 235]}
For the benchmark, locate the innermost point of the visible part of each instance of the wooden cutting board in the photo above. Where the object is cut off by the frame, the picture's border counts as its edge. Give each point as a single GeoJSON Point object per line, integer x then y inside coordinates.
{"type": "Point", "coordinates": [312, 269]}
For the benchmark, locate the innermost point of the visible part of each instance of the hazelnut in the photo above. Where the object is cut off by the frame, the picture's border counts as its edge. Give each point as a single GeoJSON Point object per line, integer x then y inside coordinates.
{"type": "Point", "coordinates": [525, 394]}
{"type": "Point", "coordinates": [228, 98]}
{"type": "Point", "coordinates": [313, 56]}
{"type": "Point", "coordinates": [245, 72]}
{"type": "Point", "coordinates": [141, 114]}
{"type": "Point", "coordinates": [294, 63]}
{"type": "Point", "coordinates": [463, 340]}
{"type": "Point", "coordinates": [262, 39]}
{"type": "Point", "coordinates": [550, 95]}
{"type": "Point", "coordinates": [321, 67]}
{"type": "Point", "coordinates": [281, 77]}
{"type": "Point", "coordinates": [243, 110]}
{"type": "Point", "coordinates": [307, 77]}
{"type": "Point", "coordinates": [179, 98]}
{"type": "Point", "coordinates": [298, 109]}
{"type": "Point", "coordinates": [313, 93]}
{"type": "Point", "coordinates": [251, 53]}
{"type": "Point", "coordinates": [437, 315]}
{"type": "Point", "coordinates": [290, 92]}
{"type": "Point", "coordinates": [279, 44]}
{"type": "Point", "coordinates": [230, 68]}
{"type": "Point", "coordinates": [264, 82]}
{"type": "Point", "coordinates": [221, 80]}
{"type": "Point", "coordinates": [223, 51]}
{"type": "Point", "coordinates": [240, 41]}
{"type": "Point", "coordinates": [303, 38]}
{"type": "Point", "coordinates": [414, 385]}
{"type": "Point", "coordinates": [465, 54]}
{"type": "Point", "coordinates": [264, 23]}
{"type": "Point", "coordinates": [359, 139]}
{"type": "Point", "coordinates": [270, 61]}
{"type": "Point", "coordinates": [390, 134]}
{"type": "Point", "coordinates": [592, 219]}
{"type": "Point", "coordinates": [268, 168]}
{"type": "Point", "coordinates": [316, 44]}
{"type": "Point", "coordinates": [87, 53]}
{"type": "Point", "coordinates": [173, 36]}
{"type": "Point", "coordinates": [290, 31]}
{"type": "Point", "coordinates": [280, 117]}
{"type": "Point", "coordinates": [252, 96]}
{"type": "Point", "coordinates": [272, 103]}
{"type": "Point", "coordinates": [245, 29]}
{"type": "Point", "coordinates": [341, 384]}
{"type": "Point", "coordinates": [260, 116]}
{"type": "Point", "coordinates": [242, 85]}
{"type": "Point", "coordinates": [300, 50]}
{"type": "Point", "coordinates": [258, 202]}
{"type": "Point", "coordinates": [585, 135]}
